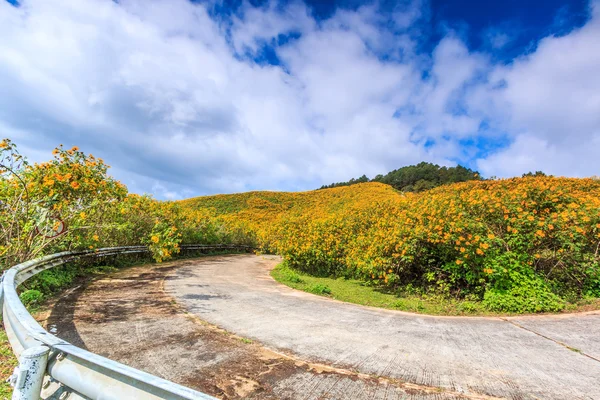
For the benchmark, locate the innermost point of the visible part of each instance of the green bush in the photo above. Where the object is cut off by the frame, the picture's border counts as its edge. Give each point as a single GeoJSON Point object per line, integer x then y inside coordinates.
{"type": "Point", "coordinates": [31, 297]}
{"type": "Point", "coordinates": [291, 276]}
{"type": "Point", "coordinates": [532, 295]}
{"type": "Point", "coordinates": [320, 289]}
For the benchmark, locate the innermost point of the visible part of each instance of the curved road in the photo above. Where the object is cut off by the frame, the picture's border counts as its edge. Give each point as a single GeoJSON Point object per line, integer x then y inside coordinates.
{"type": "Point", "coordinates": [543, 357]}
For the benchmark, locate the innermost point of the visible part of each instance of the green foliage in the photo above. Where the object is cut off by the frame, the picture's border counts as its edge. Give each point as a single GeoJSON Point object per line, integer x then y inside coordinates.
{"type": "Point", "coordinates": [8, 362]}
{"type": "Point", "coordinates": [289, 275]}
{"type": "Point", "coordinates": [52, 280]}
{"type": "Point", "coordinates": [534, 174]}
{"type": "Point", "coordinates": [164, 241]}
{"type": "Point", "coordinates": [319, 289]}
{"type": "Point", "coordinates": [528, 295]}
{"type": "Point", "coordinates": [71, 203]}
{"type": "Point", "coordinates": [31, 297]}
{"type": "Point", "coordinates": [417, 178]}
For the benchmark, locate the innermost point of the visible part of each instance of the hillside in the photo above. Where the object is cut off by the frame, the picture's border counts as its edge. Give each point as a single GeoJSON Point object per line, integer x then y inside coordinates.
{"type": "Point", "coordinates": [417, 178]}
{"type": "Point", "coordinates": [258, 206]}
{"type": "Point", "coordinates": [517, 245]}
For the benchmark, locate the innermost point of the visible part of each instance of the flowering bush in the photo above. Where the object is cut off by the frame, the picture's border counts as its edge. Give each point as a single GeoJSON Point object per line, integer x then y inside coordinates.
{"type": "Point", "coordinates": [164, 241]}
{"type": "Point", "coordinates": [71, 203]}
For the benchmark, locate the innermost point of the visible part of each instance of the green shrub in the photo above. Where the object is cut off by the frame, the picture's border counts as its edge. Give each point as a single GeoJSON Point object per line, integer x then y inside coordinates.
{"type": "Point", "coordinates": [320, 289]}
{"type": "Point", "coordinates": [31, 297]}
{"type": "Point", "coordinates": [291, 276]}
{"type": "Point", "coordinates": [532, 295]}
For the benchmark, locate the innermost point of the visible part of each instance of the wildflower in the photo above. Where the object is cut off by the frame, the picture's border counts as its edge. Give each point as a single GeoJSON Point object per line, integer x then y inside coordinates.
{"type": "Point", "coordinates": [96, 238]}
{"type": "Point", "coordinates": [82, 215]}
{"type": "Point", "coordinates": [154, 239]}
{"type": "Point", "coordinates": [491, 236]}
{"type": "Point", "coordinates": [75, 185]}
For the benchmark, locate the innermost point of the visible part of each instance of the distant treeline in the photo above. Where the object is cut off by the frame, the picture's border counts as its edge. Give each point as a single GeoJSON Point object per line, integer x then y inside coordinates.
{"type": "Point", "coordinates": [417, 178]}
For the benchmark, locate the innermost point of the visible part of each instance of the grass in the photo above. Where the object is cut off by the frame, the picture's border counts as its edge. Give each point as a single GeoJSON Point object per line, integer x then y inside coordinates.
{"type": "Point", "coordinates": [359, 292]}
{"type": "Point", "coordinates": [8, 362]}
{"type": "Point", "coordinates": [355, 291]}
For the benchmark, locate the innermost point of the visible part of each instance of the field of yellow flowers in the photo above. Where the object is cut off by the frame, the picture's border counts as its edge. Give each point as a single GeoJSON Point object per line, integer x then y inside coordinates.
{"type": "Point", "coordinates": [517, 245]}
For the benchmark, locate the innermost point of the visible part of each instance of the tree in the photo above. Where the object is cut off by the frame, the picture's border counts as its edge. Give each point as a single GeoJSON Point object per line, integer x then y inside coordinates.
{"type": "Point", "coordinates": [417, 178]}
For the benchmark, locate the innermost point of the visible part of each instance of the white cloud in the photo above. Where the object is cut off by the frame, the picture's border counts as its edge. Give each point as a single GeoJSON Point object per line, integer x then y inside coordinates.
{"type": "Point", "coordinates": [549, 101]}
{"type": "Point", "coordinates": [172, 98]}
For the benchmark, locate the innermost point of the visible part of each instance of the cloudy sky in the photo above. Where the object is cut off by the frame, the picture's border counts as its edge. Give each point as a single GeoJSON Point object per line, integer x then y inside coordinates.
{"type": "Point", "coordinates": [187, 98]}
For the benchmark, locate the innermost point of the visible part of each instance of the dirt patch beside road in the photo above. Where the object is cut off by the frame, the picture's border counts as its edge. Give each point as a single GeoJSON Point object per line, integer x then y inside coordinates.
{"type": "Point", "coordinates": [128, 317]}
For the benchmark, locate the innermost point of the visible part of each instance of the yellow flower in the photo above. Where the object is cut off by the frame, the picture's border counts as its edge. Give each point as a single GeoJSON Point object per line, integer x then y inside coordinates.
{"type": "Point", "coordinates": [491, 236]}
{"type": "Point", "coordinates": [82, 215]}
{"type": "Point", "coordinates": [96, 238]}
{"type": "Point", "coordinates": [479, 251]}
{"type": "Point", "coordinates": [3, 144]}
{"type": "Point", "coordinates": [154, 239]}
{"type": "Point", "coordinates": [75, 185]}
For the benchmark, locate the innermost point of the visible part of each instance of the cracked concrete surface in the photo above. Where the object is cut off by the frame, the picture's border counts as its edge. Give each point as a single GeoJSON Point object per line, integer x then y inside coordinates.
{"type": "Point", "coordinates": [541, 357]}
{"type": "Point", "coordinates": [187, 321]}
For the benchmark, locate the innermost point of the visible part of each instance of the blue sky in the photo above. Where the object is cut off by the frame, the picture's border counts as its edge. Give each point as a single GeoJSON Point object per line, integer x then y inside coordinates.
{"type": "Point", "coordinates": [188, 98]}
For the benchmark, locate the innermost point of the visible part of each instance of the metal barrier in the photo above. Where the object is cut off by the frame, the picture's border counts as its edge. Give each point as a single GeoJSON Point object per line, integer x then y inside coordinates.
{"type": "Point", "coordinates": [51, 368]}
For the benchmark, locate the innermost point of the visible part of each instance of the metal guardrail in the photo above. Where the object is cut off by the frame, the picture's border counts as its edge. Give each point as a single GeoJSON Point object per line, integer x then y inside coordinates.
{"type": "Point", "coordinates": [51, 368]}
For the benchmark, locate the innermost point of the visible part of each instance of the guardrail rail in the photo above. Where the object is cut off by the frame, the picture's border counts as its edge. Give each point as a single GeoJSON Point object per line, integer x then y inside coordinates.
{"type": "Point", "coordinates": [51, 368]}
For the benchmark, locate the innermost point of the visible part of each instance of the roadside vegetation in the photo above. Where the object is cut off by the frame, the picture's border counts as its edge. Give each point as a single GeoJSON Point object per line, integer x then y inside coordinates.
{"type": "Point", "coordinates": [71, 203]}
{"type": "Point", "coordinates": [401, 299]}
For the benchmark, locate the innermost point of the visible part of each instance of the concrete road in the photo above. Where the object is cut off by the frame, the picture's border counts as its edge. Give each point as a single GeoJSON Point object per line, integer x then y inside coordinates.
{"type": "Point", "coordinates": [128, 317]}
{"type": "Point", "coordinates": [543, 357]}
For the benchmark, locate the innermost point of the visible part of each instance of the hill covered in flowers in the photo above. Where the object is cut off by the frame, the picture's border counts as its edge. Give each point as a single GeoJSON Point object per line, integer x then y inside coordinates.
{"type": "Point", "coordinates": [518, 245]}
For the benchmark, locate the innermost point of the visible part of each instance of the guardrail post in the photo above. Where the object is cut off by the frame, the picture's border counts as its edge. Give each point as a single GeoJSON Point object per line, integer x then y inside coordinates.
{"type": "Point", "coordinates": [31, 371]}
